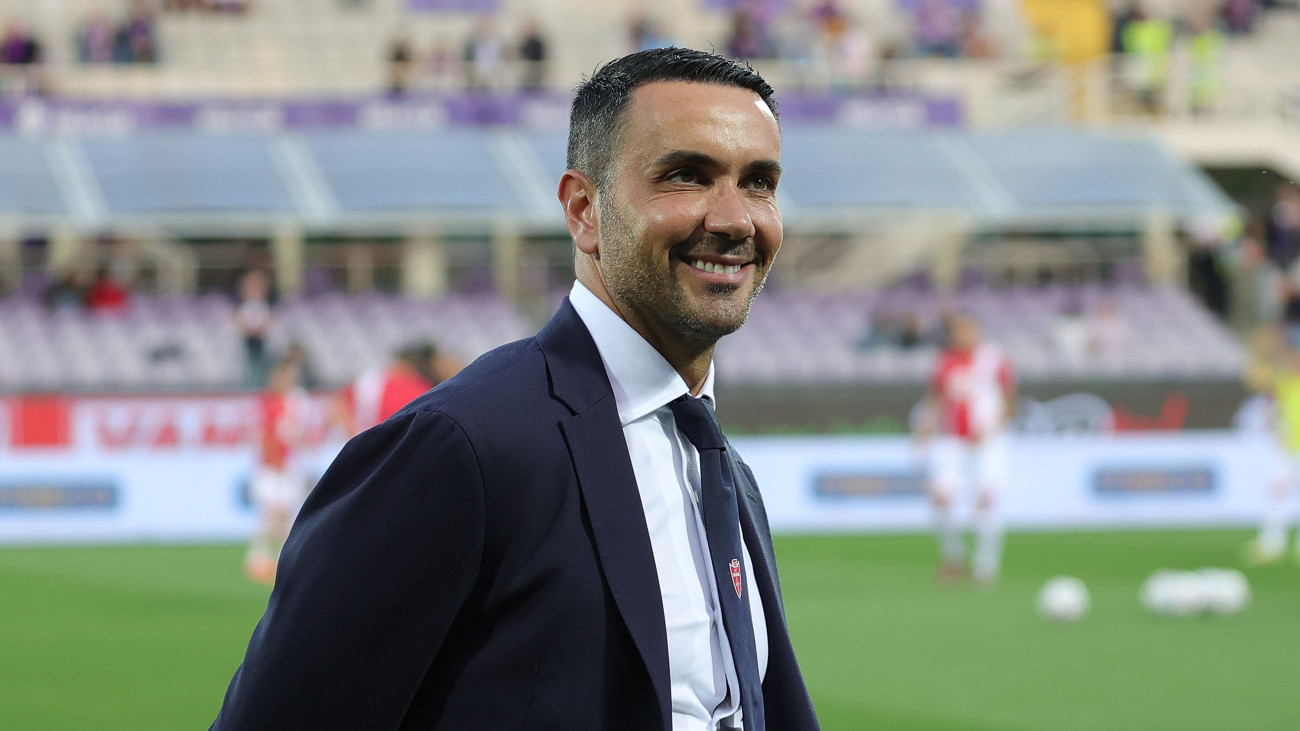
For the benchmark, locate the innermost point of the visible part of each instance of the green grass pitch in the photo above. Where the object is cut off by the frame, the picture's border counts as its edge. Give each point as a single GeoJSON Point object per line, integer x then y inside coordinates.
{"type": "Point", "coordinates": [147, 637]}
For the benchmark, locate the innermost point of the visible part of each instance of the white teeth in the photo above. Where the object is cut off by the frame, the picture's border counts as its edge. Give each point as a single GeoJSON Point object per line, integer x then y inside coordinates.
{"type": "Point", "coordinates": [712, 268]}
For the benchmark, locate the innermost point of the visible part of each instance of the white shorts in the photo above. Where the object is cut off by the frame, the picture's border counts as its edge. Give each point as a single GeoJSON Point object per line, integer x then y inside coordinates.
{"type": "Point", "coordinates": [958, 465]}
{"type": "Point", "coordinates": [279, 489]}
{"type": "Point", "coordinates": [1285, 469]}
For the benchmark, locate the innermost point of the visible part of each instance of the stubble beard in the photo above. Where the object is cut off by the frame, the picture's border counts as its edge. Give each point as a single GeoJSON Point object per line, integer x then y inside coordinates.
{"type": "Point", "coordinates": [637, 282]}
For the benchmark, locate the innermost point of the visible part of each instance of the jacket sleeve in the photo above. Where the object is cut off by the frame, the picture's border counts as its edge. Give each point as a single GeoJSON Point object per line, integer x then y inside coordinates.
{"type": "Point", "coordinates": [379, 562]}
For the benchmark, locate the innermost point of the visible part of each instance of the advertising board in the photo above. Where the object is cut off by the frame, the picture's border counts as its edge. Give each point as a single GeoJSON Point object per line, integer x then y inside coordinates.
{"type": "Point", "coordinates": [168, 468]}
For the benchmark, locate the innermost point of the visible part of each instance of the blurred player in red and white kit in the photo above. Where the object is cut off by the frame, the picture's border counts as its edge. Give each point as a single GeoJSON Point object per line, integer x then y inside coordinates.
{"type": "Point", "coordinates": [379, 393]}
{"type": "Point", "coordinates": [279, 484]}
{"type": "Point", "coordinates": [972, 396]}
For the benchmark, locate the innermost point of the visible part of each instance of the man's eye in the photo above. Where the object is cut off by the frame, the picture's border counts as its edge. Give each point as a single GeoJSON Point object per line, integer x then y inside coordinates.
{"type": "Point", "coordinates": [684, 176]}
{"type": "Point", "coordinates": [762, 182]}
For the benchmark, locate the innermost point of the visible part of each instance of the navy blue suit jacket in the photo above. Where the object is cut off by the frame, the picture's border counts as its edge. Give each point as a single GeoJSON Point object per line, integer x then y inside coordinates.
{"type": "Point", "coordinates": [481, 561]}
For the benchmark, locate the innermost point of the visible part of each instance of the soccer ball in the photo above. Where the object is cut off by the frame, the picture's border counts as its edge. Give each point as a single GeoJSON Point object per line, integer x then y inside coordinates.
{"type": "Point", "coordinates": [1063, 599]}
{"type": "Point", "coordinates": [1188, 593]}
{"type": "Point", "coordinates": [1224, 591]}
{"type": "Point", "coordinates": [1173, 593]}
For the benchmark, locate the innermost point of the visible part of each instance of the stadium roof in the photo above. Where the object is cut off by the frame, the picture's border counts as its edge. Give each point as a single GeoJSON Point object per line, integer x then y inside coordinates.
{"type": "Point", "coordinates": [472, 180]}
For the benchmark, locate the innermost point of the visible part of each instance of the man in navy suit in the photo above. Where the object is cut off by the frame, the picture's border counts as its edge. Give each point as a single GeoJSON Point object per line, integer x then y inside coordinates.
{"type": "Point", "coordinates": [533, 544]}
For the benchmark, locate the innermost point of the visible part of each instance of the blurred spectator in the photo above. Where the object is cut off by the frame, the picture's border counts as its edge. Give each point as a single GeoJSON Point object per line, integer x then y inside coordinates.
{"type": "Point", "coordinates": [95, 39]}
{"type": "Point", "coordinates": [842, 51]}
{"type": "Point", "coordinates": [911, 329]}
{"type": "Point", "coordinates": [533, 56]}
{"type": "Point", "coordinates": [229, 7]}
{"type": "Point", "coordinates": [854, 59]}
{"type": "Point", "coordinates": [66, 292]}
{"type": "Point", "coordinates": [1146, 42]}
{"type": "Point", "coordinates": [918, 331]}
{"type": "Point", "coordinates": [1239, 16]}
{"type": "Point", "coordinates": [1204, 276]}
{"type": "Point", "coordinates": [21, 50]}
{"type": "Point", "coordinates": [253, 317]}
{"type": "Point", "coordinates": [829, 23]}
{"type": "Point", "coordinates": [1120, 21]}
{"type": "Point", "coordinates": [937, 29]}
{"type": "Point", "coordinates": [136, 39]}
{"type": "Point", "coordinates": [434, 364]}
{"type": "Point", "coordinates": [379, 393]}
{"type": "Point", "coordinates": [1283, 226]}
{"type": "Point", "coordinates": [18, 47]}
{"type": "Point", "coordinates": [885, 329]}
{"type": "Point", "coordinates": [974, 38]}
{"type": "Point", "coordinates": [307, 375]}
{"type": "Point", "coordinates": [748, 38]}
{"type": "Point", "coordinates": [1256, 286]}
{"type": "Point", "coordinates": [646, 33]}
{"type": "Point", "coordinates": [1291, 310]}
{"type": "Point", "coordinates": [401, 66]}
{"type": "Point", "coordinates": [482, 55]}
{"type": "Point", "coordinates": [440, 64]}
{"type": "Point", "coordinates": [1070, 332]}
{"type": "Point", "coordinates": [442, 366]}
{"type": "Point", "coordinates": [278, 484]}
{"type": "Point", "coordinates": [1108, 332]}
{"type": "Point", "coordinates": [105, 293]}
{"type": "Point", "coordinates": [1206, 57]}
{"type": "Point", "coordinates": [829, 16]}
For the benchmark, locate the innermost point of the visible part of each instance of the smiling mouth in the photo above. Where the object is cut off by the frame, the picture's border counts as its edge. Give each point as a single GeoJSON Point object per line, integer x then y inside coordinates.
{"type": "Point", "coordinates": [712, 268]}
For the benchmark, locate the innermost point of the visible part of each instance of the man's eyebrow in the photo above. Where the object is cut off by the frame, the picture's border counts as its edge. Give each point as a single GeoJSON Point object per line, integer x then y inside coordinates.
{"type": "Point", "coordinates": [688, 158]}
{"type": "Point", "coordinates": [685, 158]}
{"type": "Point", "coordinates": [770, 167]}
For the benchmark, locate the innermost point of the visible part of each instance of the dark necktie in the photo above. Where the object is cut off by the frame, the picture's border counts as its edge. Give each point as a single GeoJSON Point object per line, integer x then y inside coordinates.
{"type": "Point", "coordinates": [697, 421]}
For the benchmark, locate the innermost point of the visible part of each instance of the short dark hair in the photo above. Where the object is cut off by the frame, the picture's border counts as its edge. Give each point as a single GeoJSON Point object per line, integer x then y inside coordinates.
{"type": "Point", "coordinates": [596, 118]}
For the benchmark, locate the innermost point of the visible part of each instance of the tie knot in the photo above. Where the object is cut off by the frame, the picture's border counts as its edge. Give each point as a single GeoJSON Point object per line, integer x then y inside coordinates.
{"type": "Point", "coordinates": [697, 421]}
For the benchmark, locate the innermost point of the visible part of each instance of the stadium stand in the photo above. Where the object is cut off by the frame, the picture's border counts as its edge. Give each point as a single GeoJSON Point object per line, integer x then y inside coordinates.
{"type": "Point", "coordinates": [801, 338]}
{"type": "Point", "coordinates": [793, 337]}
{"type": "Point", "coordinates": [193, 343]}
{"type": "Point", "coordinates": [276, 123]}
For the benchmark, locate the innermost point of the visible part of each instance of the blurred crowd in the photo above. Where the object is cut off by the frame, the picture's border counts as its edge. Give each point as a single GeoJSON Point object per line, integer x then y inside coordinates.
{"type": "Point", "coordinates": [763, 29]}
{"type": "Point", "coordinates": [133, 38]}
{"type": "Point", "coordinates": [488, 58]}
{"type": "Point", "coordinates": [101, 38]}
{"type": "Point", "coordinates": [21, 60]}
{"type": "Point", "coordinates": [1142, 45]}
{"type": "Point", "coordinates": [826, 40]}
{"type": "Point", "coordinates": [1260, 276]}
{"type": "Point", "coordinates": [99, 282]}
{"type": "Point", "coordinates": [218, 7]}
{"type": "Point", "coordinates": [818, 42]}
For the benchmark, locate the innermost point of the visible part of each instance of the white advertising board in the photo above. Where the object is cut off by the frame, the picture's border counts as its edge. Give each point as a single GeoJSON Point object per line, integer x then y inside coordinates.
{"type": "Point", "coordinates": [1097, 481]}
{"type": "Point", "coordinates": [175, 469]}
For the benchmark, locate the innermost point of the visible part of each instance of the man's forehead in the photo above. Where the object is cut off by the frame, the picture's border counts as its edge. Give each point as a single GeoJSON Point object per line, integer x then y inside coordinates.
{"type": "Point", "coordinates": [684, 96]}
{"type": "Point", "coordinates": [670, 109]}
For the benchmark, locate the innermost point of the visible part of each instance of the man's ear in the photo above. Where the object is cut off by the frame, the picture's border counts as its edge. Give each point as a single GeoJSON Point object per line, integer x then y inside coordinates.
{"type": "Point", "coordinates": [578, 198]}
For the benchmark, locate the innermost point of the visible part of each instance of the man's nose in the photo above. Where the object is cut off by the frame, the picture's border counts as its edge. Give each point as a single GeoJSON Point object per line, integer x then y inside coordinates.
{"type": "Point", "coordinates": [728, 214]}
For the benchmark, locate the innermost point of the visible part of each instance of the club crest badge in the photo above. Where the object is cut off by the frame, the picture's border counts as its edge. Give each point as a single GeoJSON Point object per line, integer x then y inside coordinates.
{"type": "Point", "coordinates": [735, 575]}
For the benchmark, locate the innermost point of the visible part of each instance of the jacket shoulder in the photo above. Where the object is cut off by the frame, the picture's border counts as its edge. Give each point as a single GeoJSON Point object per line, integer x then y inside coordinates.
{"type": "Point", "coordinates": [502, 376]}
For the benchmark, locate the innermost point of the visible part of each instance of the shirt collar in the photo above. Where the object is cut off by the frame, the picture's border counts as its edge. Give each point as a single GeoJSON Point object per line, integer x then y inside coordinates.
{"type": "Point", "coordinates": [642, 379]}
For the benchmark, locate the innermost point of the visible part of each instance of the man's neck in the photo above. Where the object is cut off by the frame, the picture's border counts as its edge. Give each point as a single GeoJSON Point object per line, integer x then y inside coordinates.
{"type": "Point", "coordinates": [690, 360]}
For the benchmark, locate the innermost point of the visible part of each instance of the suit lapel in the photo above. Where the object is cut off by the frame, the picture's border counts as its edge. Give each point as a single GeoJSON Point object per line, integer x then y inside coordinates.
{"type": "Point", "coordinates": [786, 703]}
{"type": "Point", "coordinates": [757, 535]}
{"type": "Point", "coordinates": [607, 482]}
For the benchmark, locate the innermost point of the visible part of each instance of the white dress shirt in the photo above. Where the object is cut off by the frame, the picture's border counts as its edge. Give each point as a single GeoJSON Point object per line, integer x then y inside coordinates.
{"type": "Point", "coordinates": [705, 690]}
